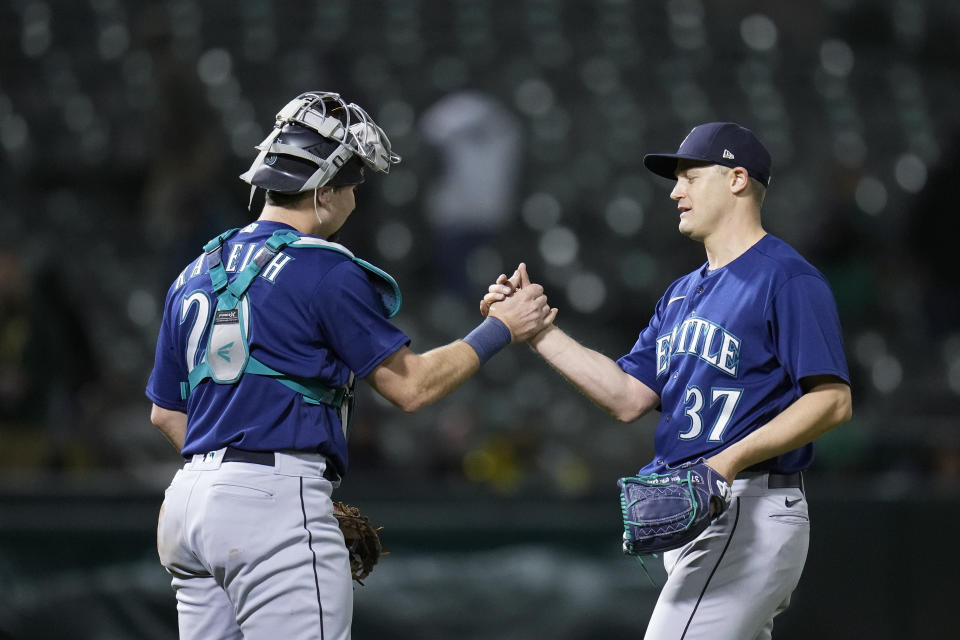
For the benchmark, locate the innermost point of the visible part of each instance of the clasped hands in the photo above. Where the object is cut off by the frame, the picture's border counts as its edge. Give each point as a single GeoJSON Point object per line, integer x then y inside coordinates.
{"type": "Point", "coordinates": [519, 304]}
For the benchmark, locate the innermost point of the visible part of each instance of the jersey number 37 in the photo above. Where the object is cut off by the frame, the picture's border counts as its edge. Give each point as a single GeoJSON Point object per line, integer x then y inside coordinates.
{"type": "Point", "coordinates": [694, 403]}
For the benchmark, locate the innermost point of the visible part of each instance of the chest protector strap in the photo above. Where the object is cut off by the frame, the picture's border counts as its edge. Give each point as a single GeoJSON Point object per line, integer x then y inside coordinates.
{"type": "Point", "coordinates": [227, 356]}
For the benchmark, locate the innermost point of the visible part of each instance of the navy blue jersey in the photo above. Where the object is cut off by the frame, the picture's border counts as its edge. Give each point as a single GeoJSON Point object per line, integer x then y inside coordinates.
{"type": "Point", "coordinates": [726, 350]}
{"type": "Point", "coordinates": [313, 314]}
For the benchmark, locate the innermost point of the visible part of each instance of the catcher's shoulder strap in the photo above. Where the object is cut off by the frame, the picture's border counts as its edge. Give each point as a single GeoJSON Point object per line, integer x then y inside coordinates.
{"type": "Point", "coordinates": [227, 356]}
{"type": "Point", "coordinates": [384, 284]}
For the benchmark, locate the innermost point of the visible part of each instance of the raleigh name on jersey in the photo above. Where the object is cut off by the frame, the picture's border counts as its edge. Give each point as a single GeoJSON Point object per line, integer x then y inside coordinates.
{"type": "Point", "coordinates": [241, 253]}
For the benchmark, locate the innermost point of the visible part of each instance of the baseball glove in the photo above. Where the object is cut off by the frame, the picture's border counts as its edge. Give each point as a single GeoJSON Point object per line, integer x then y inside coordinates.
{"type": "Point", "coordinates": [663, 511]}
{"type": "Point", "coordinates": [362, 540]}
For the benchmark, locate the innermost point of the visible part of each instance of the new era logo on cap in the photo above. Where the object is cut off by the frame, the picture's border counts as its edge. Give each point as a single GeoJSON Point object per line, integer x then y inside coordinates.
{"type": "Point", "coordinates": [723, 143]}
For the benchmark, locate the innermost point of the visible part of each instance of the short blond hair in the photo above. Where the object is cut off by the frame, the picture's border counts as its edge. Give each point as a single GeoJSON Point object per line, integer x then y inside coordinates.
{"type": "Point", "coordinates": [755, 188]}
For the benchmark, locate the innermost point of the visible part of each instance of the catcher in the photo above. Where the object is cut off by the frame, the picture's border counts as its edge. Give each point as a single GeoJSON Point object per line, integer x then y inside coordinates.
{"type": "Point", "coordinates": [744, 359]}
{"type": "Point", "coordinates": [263, 338]}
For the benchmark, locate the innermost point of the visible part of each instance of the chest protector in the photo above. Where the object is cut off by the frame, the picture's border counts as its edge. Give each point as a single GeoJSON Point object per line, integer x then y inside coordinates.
{"type": "Point", "coordinates": [227, 356]}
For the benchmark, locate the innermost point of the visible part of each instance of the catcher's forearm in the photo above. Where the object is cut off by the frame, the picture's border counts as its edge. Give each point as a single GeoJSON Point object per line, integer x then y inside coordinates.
{"type": "Point", "coordinates": [172, 424]}
{"type": "Point", "coordinates": [813, 414]}
{"type": "Point", "coordinates": [412, 381]}
{"type": "Point", "coordinates": [595, 375]}
{"type": "Point", "coordinates": [444, 369]}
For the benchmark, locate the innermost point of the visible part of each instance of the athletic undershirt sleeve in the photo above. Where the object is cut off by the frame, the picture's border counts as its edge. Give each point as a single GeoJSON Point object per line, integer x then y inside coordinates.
{"type": "Point", "coordinates": [806, 329]}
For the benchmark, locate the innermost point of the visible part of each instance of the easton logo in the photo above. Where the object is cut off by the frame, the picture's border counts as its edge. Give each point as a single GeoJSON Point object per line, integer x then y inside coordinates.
{"type": "Point", "coordinates": [224, 351]}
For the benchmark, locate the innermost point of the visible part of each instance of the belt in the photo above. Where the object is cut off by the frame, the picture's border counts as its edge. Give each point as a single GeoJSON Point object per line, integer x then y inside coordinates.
{"type": "Point", "coordinates": [268, 459]}
{"type": "Point", "coordinates": [777, 480]}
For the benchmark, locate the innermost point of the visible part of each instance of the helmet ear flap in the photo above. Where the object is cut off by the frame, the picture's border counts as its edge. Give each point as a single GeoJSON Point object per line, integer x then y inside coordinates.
{"type": "Point", "coordinates": [351, 173]}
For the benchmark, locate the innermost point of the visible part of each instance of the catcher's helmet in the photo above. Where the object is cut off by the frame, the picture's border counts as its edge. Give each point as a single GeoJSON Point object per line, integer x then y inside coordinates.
{"type": "Point", "coordinates": [318, 139]}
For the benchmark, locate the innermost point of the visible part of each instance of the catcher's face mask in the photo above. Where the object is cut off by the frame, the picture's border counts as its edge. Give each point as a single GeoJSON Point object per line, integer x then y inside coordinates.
{"type": "Point", "coordinates": [314, 136]}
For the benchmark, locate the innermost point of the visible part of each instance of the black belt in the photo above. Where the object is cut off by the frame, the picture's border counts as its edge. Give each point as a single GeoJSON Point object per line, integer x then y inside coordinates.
{"type": "Point", "coordinates": [268, 459]}
{"type": "Point", "coordinates": [777, 480]}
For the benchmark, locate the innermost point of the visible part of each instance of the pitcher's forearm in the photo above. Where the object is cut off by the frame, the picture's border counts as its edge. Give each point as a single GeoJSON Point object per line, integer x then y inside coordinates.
{"type": "Point", "coordinates": [809, 417]}
{"type": "Point", "coordinates": [595, 375]}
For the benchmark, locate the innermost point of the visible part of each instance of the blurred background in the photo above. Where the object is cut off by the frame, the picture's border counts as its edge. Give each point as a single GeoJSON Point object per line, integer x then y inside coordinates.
{"type": "Point", "coordinates": [522, 125]}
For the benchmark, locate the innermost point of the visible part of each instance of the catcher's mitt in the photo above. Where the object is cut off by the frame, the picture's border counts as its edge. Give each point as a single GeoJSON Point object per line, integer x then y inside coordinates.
{"type": "Point", "coordinates": [663, 511]}
{"type": "Point", "coordinates": [362, 540]}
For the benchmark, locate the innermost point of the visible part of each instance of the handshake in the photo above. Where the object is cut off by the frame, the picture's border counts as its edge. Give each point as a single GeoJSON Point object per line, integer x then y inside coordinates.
{"type": "Point", "coordinates": [519, 304]}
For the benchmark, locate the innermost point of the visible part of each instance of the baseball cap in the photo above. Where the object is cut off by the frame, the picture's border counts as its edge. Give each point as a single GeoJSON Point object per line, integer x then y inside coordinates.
{"type": "Point", "coordinates": [723, 143]}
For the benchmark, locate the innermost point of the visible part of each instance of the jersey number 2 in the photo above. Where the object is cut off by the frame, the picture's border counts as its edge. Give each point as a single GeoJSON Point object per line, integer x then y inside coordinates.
{"type": "Point", "coordinates": [695, 401]}
{"type": "Point", "coordinates": [200, 322]}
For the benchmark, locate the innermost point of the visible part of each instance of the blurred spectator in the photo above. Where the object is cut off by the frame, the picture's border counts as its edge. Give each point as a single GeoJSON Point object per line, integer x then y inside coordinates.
{"type": "Point", "coordinates": [62, 365]}
{"type": "Point", "coordinates": [14, 328]}
{"type": "Point", "coordinates": [472, 197]}
{"type": "Point", "coordinates": [180, 199]}
{"type": "Point", "coordinates": [48, 368]}
{"type": "Point", "coordinates": [932, 232]}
